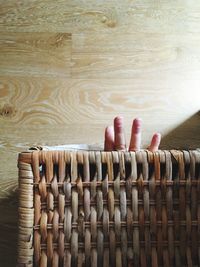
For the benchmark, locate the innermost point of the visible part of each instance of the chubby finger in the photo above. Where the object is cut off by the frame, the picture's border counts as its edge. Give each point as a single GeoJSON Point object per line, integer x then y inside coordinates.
{"type": "Point", "coordinates": [155, 142]}
{"type": "Point", "coordinates": [109, 139]}
{"type": "Point", "coordinates": [135, 142]}
{"type": "Point", "coordinates": [119, 139]}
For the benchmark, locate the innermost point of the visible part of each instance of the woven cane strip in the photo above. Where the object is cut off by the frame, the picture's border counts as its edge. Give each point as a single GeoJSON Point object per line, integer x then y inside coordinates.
{"type": "Point", "coordinates": [26, 214]}
{"type": "Point", "coordinates": [109, 208]}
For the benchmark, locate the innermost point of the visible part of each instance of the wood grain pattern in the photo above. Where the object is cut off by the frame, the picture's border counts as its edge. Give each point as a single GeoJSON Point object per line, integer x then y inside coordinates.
{"type": "Point", "coordinates": [28, 101]}
{"type": "Point", "coordinates": [142, 55]}
{"type": "Point", "coordinates": [100, 16]}
{"type": "Point", "coordinates": [68, 67]}
{"type": "Point", "coordinates": [35, 54]}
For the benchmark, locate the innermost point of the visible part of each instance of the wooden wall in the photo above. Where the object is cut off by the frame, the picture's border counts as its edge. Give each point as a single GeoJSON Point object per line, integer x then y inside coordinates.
{"type": "Point", "coordinates": [68, 67]}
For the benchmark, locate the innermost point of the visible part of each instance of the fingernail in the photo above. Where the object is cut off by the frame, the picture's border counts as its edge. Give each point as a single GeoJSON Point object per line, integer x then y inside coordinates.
{"type": "Point", "coordinates": [137, 123]}
{"type": "Point", "coordinates": [109, 131]}
{"type": "Point", "coordinates": [120, 143]}
{"type": "Point", "coordinates": [118, 122]}
{"type": "Point", "coordinates": [157, 136]}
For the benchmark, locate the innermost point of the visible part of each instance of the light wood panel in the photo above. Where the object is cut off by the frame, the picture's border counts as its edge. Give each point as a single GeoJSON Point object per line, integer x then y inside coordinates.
{"type": "Point", "coordinates": [35, 54]}
{"type": "Point", "coordinates": [141, 55]}
{"type": "Point", "coordinates": [28, 101]}
{"type": "Point", "coordinates": [100, 16]}
{"type": "Point", "coordinates": [68, 67]}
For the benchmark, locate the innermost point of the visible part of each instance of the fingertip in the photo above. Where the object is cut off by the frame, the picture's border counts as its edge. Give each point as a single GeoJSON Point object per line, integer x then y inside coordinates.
{"type": "Point", "coordinates": [109, 130]}
{"type": "Point", "coordinates": [118, 121]}
{"type": "Point", "coordinates": [137, 124]}
{"type": "Point", "coordinates": [119, 117]}
{"type": "Point", "coordinates": [137, 120]}
{"type": "Point", "coordinates": [157, 137]}
{"type": "Point", "coordinates": [109, 138]}
{"type": "Point", "coordinates": [119, 135]}
{"type": "Point", "coordinates": [155, 142]}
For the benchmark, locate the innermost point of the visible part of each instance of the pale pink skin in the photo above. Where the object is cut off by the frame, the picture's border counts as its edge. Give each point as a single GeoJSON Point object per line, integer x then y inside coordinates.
{"type": "Point", "coordinates": [115, 137]}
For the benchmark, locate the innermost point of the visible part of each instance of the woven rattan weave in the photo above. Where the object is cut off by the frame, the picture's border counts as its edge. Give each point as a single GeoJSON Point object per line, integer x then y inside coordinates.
{"type": "Point", "coordinates": [95, 208]}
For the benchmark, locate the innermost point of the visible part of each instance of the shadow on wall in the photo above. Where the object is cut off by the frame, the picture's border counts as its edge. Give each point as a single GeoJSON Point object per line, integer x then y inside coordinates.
{"type": "Point", "coordinates": [185, 136]}
{"type": "Point", "coordinates": [9, 229]}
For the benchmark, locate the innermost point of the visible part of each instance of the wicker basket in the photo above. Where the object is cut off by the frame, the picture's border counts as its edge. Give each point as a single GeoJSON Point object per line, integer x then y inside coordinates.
{"type": "Point", "coordinates": [95, 208]}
